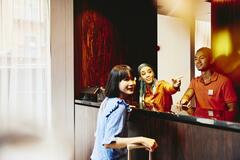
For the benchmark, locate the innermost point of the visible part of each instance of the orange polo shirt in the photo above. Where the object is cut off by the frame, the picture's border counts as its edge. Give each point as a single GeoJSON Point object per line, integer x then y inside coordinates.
{"type": "Point", "coordinates": [214, 95]}
{"type": "Point", "coordinates": [161, 99]}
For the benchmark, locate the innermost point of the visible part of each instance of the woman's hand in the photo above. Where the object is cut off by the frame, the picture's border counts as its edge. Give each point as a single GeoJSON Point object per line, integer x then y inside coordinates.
{"type": "Point", "coordinates": [150, 143]}
{"type": "Point", "coordinates": [176, 82]}
{"type": "Point", "coordinates": [132, 106]}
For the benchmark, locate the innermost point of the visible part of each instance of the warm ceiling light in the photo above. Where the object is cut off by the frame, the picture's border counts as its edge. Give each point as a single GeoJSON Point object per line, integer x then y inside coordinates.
{"type": "Point", "coordinates": [222, 44]}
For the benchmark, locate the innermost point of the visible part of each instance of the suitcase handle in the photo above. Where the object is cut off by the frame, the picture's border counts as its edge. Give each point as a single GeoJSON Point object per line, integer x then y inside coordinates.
{"type": "Point", "coordinates": [137, 146]}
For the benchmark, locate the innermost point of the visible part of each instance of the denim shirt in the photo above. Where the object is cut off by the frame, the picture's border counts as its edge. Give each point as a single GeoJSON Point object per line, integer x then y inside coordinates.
{"type": "Point", "coordinates": [111, 123]}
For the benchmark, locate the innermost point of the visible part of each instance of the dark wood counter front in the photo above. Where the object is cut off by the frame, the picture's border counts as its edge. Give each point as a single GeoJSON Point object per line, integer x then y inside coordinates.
{"type": "Point", "coordinates": [179, 137]}
{"type": "Point", "coordinates": [191, 140]}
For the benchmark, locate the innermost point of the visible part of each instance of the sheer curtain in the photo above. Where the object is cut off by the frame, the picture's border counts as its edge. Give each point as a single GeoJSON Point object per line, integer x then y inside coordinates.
{"type": "Point", "coordinates": [25, 89]}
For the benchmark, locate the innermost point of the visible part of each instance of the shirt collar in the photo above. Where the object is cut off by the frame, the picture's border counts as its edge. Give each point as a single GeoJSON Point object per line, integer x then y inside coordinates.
{"type": "Point", "coordinates": [214, 77]}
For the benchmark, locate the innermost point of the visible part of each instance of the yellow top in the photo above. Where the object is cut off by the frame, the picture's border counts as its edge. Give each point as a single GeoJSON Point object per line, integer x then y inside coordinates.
{"type": "Point", "coordinates": [161, 99]}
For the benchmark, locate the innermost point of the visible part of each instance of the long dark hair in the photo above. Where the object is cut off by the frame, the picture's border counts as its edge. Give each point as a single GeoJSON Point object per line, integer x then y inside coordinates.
{"type": "Point", "coordinates": [118, 73]}
{"type": "Point", "coordinates": [142, 83]}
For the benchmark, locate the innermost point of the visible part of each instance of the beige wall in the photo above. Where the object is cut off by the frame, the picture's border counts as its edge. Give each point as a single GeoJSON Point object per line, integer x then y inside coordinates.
{"type": "Point", "coordinates": [62, 66]}
{"type": "Point", "coordinates": [174, 54]}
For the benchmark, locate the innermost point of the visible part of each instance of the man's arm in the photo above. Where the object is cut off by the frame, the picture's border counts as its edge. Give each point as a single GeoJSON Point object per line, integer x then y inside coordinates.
{"type": "Point", "coordinates": [186, 99]}
{"type": "Point", "coordinates": [230, 114]}
{"type": "Point", "coordinates": [187, 96]}
{"type": "Point", "coordinates": [231, 107]}
{"type": "Point", "coordinates": [230, 99]}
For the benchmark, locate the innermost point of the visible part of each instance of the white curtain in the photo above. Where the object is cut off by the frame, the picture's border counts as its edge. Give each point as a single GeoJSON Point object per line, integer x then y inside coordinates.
{"type": "Point", "coordinates": [202, 37]}
{"type": "Point", "coordinates": [25, 91]}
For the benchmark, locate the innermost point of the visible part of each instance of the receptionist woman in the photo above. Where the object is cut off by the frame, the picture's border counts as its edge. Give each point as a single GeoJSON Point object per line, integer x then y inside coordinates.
{"type": "Point", "coordinates": [155, 95]}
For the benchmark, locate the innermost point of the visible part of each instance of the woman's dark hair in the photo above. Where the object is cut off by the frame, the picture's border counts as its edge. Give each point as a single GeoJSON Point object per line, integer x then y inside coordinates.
{"type": "Point", "coordinates": [141, 66]}
{"type": "Point", "coordinates": [118, 73]}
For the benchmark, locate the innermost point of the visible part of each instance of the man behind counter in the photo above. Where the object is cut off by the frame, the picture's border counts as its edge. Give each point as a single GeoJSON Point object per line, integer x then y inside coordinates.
{"type": "Point", "coordinates": [215, 97]}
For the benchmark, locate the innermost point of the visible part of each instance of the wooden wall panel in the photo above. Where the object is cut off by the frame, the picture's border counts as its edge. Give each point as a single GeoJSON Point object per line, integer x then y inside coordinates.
{"type": "Point", "coordinates": [107, 33]}
{"type": "Point", "coordinates": [85, 125]}
{"type": "Point", "coordinates": [98, 52]}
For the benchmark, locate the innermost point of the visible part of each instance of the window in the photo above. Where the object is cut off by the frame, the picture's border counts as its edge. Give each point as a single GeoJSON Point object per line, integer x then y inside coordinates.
{"type": "Point", "coordinates": [25, 91]}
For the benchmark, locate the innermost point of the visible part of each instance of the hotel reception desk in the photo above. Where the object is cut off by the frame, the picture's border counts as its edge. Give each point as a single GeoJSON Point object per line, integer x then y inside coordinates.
{"type": "Point", "coordinates": [179, 137]}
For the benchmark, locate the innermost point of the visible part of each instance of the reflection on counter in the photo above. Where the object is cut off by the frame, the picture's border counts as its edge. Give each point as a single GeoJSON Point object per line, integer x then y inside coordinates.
{"type": "Point", "coordinates": [225, 125]}
{"type": "Point", "coordinates": [205, 121]}
{"type": "Point", "coordinates": [88, 103]}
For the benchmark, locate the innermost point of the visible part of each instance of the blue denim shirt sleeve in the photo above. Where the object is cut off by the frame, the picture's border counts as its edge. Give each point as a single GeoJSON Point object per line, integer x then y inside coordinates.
{"type": "Point", "coordinates": [115, 121]}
